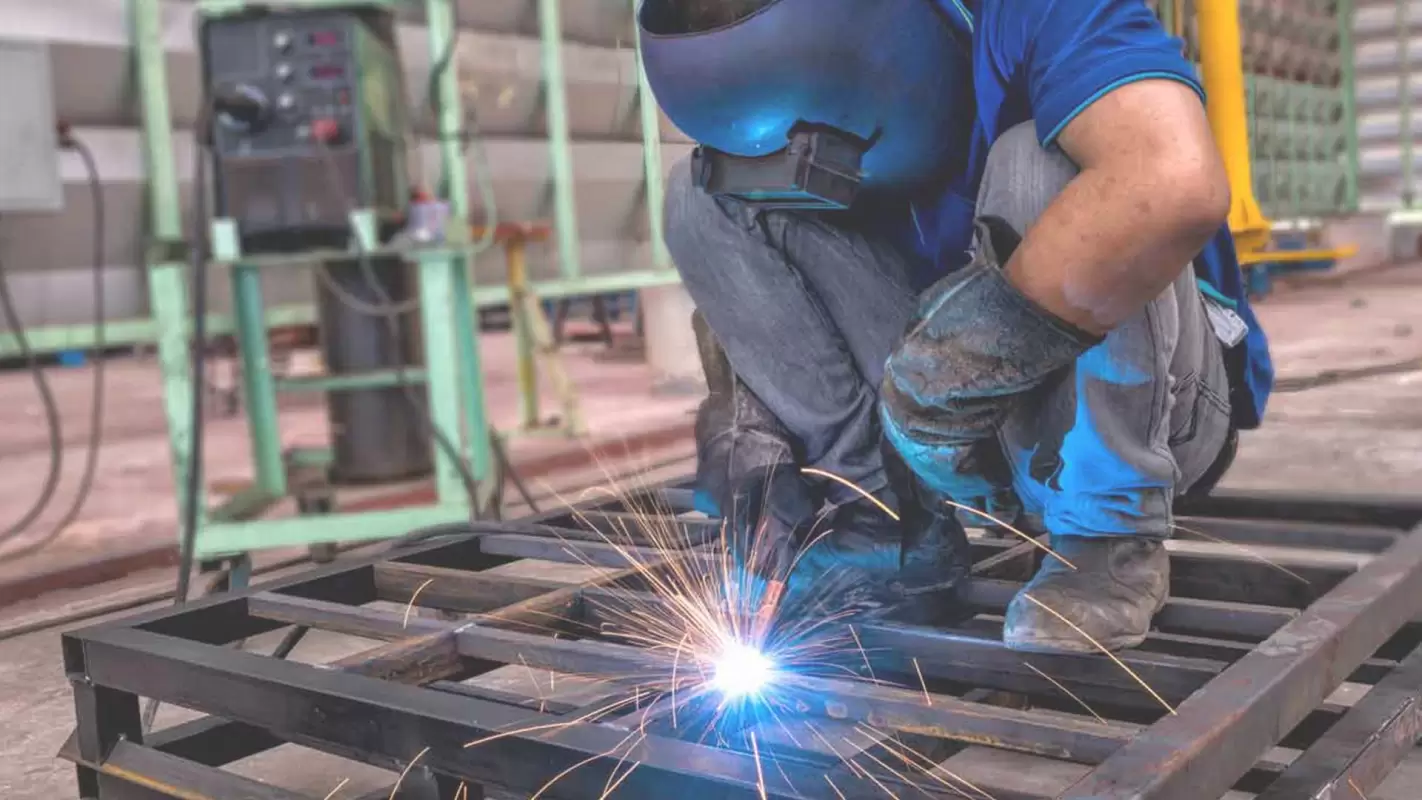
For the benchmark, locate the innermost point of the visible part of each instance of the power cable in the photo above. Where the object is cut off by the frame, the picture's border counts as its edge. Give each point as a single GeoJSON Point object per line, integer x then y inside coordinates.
{"type": "Point", "coordinates": [51, 413]}
{"type": "Point", "coordinates": [67, 140]}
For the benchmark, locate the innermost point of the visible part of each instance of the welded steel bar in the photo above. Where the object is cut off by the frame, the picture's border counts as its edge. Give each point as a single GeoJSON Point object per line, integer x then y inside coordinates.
{"type": "Point", "coordinates": [903, 710]}
{"type": "Point", "coordinates": [1361, 749]}
{"type": "Point", "coordinates": [1402, 512]}
{"type": "Point", "coordinates": [132, 770]}
{"type": "Point", "coordinates": [389, 725]}
{"type": "Point", "coordinates": [456, 589]}
{"type": "Point", "coordinates": [1213, 738]}
{"type": "Point", "coordinates": [979, 661]}
{"type": "Point", "coordinates": [1334, 536]}
{"type": "Point", "coordinates": [1180, 615]}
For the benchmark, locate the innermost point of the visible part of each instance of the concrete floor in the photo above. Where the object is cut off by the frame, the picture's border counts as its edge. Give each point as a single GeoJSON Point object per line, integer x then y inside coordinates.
{"type": "Point", "coordinates": [1358, 434]}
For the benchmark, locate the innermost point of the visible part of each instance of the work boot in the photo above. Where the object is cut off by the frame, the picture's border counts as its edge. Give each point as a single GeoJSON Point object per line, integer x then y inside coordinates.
{"type": "Point", "coordinates": [867, 565]}
{"type": "Point", "coordinates": [1118, 585]}
{"type": "Point", "coordinates": [849, 566]}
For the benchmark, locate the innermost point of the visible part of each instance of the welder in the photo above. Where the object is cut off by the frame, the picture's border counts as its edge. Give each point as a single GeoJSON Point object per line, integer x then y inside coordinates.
{"type": "Point", "coordinates": [984, 241]}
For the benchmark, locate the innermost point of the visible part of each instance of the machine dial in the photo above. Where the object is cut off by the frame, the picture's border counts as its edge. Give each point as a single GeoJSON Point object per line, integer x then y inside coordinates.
{"type": "Point", "coordinates": [242, 107]}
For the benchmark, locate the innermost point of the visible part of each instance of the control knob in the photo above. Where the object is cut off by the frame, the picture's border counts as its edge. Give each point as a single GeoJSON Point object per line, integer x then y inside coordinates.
{"type": "Point", "coordinates": [242, 107]}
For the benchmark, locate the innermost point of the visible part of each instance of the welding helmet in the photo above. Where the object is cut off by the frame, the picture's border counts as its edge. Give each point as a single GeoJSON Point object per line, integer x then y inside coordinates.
{"type": "Point", "coordinates": [872, 93]}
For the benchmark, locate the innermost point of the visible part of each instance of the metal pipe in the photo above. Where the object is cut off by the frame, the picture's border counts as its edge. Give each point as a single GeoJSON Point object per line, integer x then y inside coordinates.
{"type": "Point", "coordinates": [1222, 64]}
{"type": "Point", "coordinates": [555, 98]}
{"type": "Point", "coordinates": [469, 371]}
{"type": "Point", "coordinates": [167, 286]}
{"type": "Point", "coordinates": [651, 155]}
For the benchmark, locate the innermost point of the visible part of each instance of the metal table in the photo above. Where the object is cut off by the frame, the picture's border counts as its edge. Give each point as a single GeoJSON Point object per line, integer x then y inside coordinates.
{"type": "Point", "coordinates": [1246, 654]}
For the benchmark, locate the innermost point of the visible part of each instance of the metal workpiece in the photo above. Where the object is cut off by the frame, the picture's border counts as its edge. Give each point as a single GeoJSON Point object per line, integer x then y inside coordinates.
{"type": "Point", "coordinates": [1233, 693]}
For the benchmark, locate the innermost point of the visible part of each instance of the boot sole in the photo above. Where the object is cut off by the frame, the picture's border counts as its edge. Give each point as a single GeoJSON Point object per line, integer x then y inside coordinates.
{"type": "Point", "coordinates": [1074, 646]}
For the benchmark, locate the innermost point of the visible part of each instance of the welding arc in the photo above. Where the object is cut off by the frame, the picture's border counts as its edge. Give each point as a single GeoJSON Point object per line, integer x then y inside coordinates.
{"type": "Point", "coordinates": [96, 405]}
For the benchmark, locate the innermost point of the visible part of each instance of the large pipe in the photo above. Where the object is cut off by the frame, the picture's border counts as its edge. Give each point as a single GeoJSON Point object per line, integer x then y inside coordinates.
{"type": "Point", "coordinates": [1222, 63]}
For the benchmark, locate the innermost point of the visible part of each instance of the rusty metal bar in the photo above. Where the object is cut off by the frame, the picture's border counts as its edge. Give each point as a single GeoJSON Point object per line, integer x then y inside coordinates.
{"type": "Point", "coordinates": [1214, 737]}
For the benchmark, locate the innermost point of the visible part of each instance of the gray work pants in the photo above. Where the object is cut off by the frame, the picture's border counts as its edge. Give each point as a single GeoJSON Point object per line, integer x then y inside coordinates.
{"type": "Point", "coordinates": [808, 312]}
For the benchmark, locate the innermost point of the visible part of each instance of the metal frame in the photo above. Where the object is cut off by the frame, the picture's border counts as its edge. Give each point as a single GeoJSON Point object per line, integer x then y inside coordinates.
{"type": "Point", "coordinates": [1245, 652]}
{"type": "Point", "coordinates": [450, 331]}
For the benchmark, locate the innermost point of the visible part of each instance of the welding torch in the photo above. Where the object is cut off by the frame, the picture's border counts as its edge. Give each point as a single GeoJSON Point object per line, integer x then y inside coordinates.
{"type": "Point", "coordinates": [775, 563]}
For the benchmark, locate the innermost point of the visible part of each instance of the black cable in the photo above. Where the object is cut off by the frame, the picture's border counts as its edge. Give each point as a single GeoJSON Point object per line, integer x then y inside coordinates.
{"type": "Point", "coordinates": [198, 263]}
{"type": "Point", "coordinates": [51, 413]}
{"type": "Point", "coordinates": [96, 407]}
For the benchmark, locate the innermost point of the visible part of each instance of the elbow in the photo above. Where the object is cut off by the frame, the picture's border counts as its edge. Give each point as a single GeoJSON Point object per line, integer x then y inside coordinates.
{"type": "Point", "coordinates": [1198, 199]}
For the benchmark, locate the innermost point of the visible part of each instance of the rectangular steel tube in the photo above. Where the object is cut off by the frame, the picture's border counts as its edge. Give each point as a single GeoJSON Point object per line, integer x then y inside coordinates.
{"type": "Point", "coordinates": [882, 706]}
{"type": "Point", "coordinates": [1361, 749]}
{"type": "Point", "coordinates": [1216, 735]}
{"type": "Point", "coordinates": [389, 724]}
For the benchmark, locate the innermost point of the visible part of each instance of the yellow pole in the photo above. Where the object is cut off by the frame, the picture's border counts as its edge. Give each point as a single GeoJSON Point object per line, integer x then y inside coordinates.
{"type": "Point", "coordinates": [1222, 62]}
{"type": "Point", "coordinates": [523, 328]}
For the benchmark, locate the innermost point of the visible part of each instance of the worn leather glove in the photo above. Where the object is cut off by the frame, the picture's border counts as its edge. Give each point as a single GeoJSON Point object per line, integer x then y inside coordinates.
{"type": "Point", "coordinates": [771, 515]}
{"type": "Point", "coordinates": [976, 346]}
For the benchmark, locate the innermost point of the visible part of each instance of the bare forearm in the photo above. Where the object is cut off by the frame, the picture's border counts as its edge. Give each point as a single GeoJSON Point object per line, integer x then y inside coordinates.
{"type": "Point", "coordinates": [1151, 192]}
{"type": "Point", "coordinates": [1107, 246]}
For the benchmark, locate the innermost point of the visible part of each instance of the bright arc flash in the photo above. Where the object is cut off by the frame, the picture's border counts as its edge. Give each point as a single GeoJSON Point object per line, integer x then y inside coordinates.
{"type": "Point", "coordinates": [742, 671]}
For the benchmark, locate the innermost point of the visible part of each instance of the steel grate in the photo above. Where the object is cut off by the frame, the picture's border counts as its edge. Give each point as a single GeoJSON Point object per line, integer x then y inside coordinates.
{"type": "Point", "coordinates": [1248, 653]}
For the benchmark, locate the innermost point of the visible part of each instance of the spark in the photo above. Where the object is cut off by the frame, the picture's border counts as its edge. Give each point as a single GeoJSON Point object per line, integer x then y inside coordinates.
{"type": "Point", "coordinates": [1032, 540]}
{"type": "Point", "coordinates": [1137, 678]}
{"type": "Point", "coordinates": [1355, 787]}
{"type": "Point", "coordinates": [742, 671]}
{"type": "Point", "coordinates": [338, 788]}
{"type": "Point", "coordinates": [927, 698]}
{"type": "Point", "coordinates": [853, 487]}
{"type": "Point", "coordinates": [394, 790]}
{"type": "Point", "coordinates": [713, 673]}
{"type": "Point", "coordinates": [1249, 551]}
{"type": "Point", "coordinates": [1066, 691]}
{"type": "Point", "coordinates": [410, 606]}
{"type": "Point", "coordinates": [759, 776]}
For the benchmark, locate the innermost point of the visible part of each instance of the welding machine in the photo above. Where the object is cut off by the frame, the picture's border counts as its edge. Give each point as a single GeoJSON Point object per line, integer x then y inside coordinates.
{"type": "Point", "coordinates": [309, 121]}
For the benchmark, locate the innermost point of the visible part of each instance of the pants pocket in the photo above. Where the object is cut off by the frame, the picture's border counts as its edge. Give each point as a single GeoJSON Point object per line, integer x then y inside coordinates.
{"type": "Point", "coordinates": [1199, 427]}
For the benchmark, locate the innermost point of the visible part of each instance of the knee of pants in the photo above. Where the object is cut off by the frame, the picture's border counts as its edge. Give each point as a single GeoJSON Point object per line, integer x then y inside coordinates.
{"type": "Point", "coordinates": [692, 219]}
{"type": "Point", "coordinates": [1021, 178]}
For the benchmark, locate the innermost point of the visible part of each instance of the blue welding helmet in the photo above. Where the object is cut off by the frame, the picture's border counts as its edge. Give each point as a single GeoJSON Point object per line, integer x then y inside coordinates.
{"type": "Point", "coordinates": [886, 78]}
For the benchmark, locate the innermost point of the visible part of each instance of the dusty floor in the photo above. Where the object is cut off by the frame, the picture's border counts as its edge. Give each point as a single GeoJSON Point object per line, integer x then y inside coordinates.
{"type": "Point", "coordinates": [1329, 429]}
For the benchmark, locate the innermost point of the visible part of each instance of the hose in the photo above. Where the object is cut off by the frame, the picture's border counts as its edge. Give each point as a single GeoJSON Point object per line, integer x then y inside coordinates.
{"type": "Point", "coordinates": [68, 141]}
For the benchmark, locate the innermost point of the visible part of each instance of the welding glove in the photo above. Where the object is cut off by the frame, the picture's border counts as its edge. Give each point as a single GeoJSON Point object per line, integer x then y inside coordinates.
{"type": "Point", "coordinates": [745, 467]}
{"type": "Point", "coordinates": [976, 346]}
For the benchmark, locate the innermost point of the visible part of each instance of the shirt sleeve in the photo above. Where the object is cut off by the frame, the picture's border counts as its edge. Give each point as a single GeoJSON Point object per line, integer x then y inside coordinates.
{"type": "Point", "coordinates": [1067, 54]}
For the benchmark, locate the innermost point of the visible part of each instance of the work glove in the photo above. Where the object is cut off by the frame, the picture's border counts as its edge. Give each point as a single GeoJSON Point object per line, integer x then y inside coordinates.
{"type": "Point", "coordinates": [746, 469]}
{"type": "Point", "coordinates": [975, 347]}
{"type": "Point", "coordinates": [772, 515]}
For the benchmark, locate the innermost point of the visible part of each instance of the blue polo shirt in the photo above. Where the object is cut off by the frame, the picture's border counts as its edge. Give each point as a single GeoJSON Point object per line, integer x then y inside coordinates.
{"type": "Point", "coordinates": [1046, 61]}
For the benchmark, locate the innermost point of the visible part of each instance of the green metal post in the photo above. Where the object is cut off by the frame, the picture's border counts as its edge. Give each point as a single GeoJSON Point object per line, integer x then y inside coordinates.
{"type": "Point", "coordinates": [443, 38]}
{"type": "Point", "coordinates": [555, 98]}
{"type": "Point", "coordinates": [167, 289]}
{"type": "Point", "coordinates": [1404, 100]}
{"type": "Point", "coordinates": [258, 383]}
{"type": "Point", "coordinates": [651, 155]}
{"type": "Point", "coordinates": [1348, 86]}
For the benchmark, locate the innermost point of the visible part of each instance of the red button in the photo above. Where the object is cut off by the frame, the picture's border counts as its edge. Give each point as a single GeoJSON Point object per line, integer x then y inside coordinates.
{"type": "Point", "coordinates": [326, 130]}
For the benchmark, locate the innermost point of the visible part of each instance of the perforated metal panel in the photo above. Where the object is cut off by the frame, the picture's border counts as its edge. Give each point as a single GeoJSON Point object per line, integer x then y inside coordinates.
{"type": "Point", "coordinates": [29, 160]}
